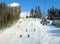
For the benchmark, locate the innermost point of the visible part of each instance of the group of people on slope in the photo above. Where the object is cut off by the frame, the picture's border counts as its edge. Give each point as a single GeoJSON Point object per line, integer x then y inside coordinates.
{"type": "Point", "coordinates": [44, 21]}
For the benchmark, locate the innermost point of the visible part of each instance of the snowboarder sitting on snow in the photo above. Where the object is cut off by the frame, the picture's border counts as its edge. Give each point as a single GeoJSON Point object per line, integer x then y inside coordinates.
{"type": "Point", "coordinates": [34, 29]}
{"type": "Point", "coordinates": [26, 30]}
{"type": "Point", "coordinates": [20, 21]}
{"type": "Point", "coordinates": [28, 36]}
{"type": "Point", "coordinates": [20, 36]}
{"type": "Point", "coordinates": [18, 25]}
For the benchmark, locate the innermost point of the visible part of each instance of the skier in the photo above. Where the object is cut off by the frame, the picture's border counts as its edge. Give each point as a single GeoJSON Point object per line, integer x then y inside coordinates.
{"type": "Point", "coordinates": [20, 36]}
{"type": "Point", "coordinates": [20, 21]}
{"type": "Point", "coordinates": [42, 21]}
{"type": "Point", "coordinates": [34, 29]}
{"type": "Point", "coordinates": [18, 25]}
{"type": "Point", "coordinates": [28, 36]}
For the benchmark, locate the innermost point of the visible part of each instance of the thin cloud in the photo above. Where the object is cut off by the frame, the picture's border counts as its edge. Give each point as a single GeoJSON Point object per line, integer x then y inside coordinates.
{"type": "Point", "coordinates": [23, 14]}
{"type": "Point", "coordinates": [14, 4]}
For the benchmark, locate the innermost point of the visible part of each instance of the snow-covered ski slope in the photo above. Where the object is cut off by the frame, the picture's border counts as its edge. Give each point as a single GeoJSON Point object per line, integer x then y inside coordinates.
{"type": "Point", "coordinates": [39, 34]}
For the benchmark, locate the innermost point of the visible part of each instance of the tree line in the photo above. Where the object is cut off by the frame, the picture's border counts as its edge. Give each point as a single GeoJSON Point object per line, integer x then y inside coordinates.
{"type": "Point", "coordinates": [54, 13]}
{"type": "Point", "coordinates": [8, 15]}
{"type": "Point", "coordinates": [35, 13]}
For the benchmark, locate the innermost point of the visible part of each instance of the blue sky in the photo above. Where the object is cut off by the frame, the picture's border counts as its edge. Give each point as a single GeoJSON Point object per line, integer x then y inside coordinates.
{"type": "Point", "coordinates": [27, 5]}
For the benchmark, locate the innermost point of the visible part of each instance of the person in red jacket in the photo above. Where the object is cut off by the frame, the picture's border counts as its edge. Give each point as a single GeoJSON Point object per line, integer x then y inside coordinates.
{"type": "Point", "coordinates": [44, 21]}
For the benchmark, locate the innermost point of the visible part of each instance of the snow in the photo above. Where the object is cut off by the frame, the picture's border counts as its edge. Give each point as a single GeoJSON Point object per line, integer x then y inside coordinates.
{"type": "Point", "coordinates": [23, 14]}
{"type": "Point", "coordinates": [41, 35]}
{"type": "Point", "coordinates": [14, 4]}
{"type": "Point", "coordinates": [50, 22]}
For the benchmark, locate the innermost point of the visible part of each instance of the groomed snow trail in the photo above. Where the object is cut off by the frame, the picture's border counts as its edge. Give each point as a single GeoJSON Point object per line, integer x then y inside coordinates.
{"type": "Point", "coordinates": [38, 33]}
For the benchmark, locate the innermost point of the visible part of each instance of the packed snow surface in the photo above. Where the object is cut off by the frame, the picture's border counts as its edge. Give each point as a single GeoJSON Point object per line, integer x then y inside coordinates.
{"type": "Point", "coordinates": [38, 34]}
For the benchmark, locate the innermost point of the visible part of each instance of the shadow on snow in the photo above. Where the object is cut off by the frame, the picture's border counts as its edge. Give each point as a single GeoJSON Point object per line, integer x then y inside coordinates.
{"type": "Point", "coordinates": [55, 32]}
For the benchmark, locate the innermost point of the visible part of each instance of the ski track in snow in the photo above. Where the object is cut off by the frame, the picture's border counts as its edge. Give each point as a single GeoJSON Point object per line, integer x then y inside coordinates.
{"type": "Point", "coordinates": [39, 36]}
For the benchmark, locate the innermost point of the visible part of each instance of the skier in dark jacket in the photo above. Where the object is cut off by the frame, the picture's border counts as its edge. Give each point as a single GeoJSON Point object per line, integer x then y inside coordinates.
{"type": "Point", "coordinates": [20, 35]}
{"type": "Point", "coordinates": [28, 36]}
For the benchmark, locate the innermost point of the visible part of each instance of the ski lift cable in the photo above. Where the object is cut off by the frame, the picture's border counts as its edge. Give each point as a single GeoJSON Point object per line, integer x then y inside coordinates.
{"type": "Point", "coordinates": [53, 2]}
{"type": "Point", "coordinates": [44, 2]}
